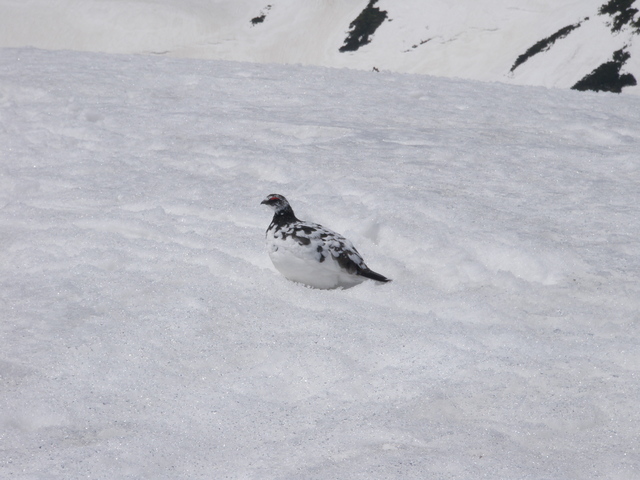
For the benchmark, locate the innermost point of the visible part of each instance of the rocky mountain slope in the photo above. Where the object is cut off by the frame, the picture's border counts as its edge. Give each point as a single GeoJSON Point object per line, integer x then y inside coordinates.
{"type": "Point", "coordinates": [584, 44]}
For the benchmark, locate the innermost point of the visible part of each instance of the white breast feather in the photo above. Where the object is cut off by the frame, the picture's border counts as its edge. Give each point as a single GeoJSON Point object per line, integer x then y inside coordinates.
{"type": "Point", "coordinates": [308, 253]}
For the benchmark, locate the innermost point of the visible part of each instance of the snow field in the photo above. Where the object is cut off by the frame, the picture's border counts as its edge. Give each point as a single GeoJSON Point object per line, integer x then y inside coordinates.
{"type": "Point", "coordinates": [146, 333]}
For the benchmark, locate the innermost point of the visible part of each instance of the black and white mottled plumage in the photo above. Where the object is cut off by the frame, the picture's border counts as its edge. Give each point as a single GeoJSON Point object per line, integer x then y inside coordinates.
{"type": "Point", "coordinates": [311, 254]}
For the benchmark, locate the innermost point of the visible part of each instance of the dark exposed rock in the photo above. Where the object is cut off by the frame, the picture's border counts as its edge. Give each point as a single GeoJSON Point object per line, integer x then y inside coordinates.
{"type": "Point", "coordinates": [545, 44]}
{"type": "Point", "coordinates": [260, 18]}
{"type": "Point", "coordinates": [607, 78]}
{"type": "Point", "coordinates": [621, 14]}
{"type": "Point", "coordinates": [363, 27]}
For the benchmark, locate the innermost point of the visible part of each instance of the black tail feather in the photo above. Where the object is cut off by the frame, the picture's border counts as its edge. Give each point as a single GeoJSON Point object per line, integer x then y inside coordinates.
{"type": "Point", "coordinates": [374, 276]}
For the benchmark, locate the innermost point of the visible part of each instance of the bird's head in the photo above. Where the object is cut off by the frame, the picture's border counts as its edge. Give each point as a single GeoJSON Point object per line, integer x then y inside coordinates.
{"type": "Point", "coordinates": [280, 205]}
{"type": "Point", "coordinates": [275, 201]}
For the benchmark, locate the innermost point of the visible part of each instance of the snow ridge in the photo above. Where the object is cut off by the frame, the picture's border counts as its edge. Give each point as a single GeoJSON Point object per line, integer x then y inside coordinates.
{"type": "Point", "coordinates": [552, 44]}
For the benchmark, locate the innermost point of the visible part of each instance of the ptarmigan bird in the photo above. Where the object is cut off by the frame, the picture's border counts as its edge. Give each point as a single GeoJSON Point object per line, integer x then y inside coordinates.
{"type": "Point", "coordinates": [311, 254]}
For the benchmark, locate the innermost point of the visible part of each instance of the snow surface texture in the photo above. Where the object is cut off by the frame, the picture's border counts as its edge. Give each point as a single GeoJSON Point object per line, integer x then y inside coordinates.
{"type": "Point", "coordinates": [466, 39]}
{"type": "Point", "coordinates": [145, 333]}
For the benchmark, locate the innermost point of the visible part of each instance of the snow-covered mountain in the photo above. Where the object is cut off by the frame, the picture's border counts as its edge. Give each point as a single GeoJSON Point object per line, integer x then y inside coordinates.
{"type": "Point", "coordinates": [583, 44]}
